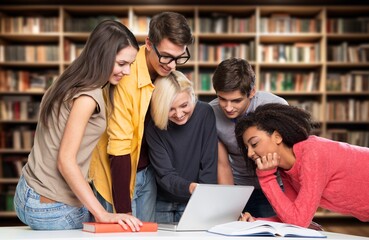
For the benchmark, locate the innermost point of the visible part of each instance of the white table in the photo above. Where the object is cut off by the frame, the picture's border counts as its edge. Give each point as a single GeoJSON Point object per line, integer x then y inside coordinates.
{"type": "Point", "coordinates": [25, 233]}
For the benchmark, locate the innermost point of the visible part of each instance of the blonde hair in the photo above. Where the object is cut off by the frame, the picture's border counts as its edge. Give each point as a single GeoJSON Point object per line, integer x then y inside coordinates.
{"type": "Point", "coordinates": [166, 89]}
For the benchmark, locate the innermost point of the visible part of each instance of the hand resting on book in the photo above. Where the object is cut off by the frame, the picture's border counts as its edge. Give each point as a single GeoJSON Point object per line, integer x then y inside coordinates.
{"type": "Point", "coordinates": [247, 217]}
{"type": "Point", "coordinates": [264, 228]}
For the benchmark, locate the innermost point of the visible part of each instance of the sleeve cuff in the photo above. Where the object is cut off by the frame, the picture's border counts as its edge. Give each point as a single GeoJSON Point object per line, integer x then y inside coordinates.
{"type": "Point", "coordinates": [265, 173]}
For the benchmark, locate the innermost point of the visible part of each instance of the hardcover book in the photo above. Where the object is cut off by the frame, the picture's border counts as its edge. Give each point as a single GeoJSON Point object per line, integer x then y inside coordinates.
{"type": "Point", "coordinates": [96, 227]}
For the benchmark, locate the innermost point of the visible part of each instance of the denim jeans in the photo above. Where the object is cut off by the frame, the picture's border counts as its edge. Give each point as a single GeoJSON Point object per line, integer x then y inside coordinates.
{"type": "Point", "coordinates": [144, 197]}
{"type": "Point", "coordinates": [258, 205]}
{"type": "Point", "coordinates": [107, 205]}
{"type": "Point", "coordinates": [168, 212]}
{"type": "Point", "coordinates": [46, 216]}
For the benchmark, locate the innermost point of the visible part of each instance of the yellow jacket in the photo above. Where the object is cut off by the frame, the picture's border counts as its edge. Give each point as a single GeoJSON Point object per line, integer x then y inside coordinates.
{"type": "Point", "coordinates": [125, 126]}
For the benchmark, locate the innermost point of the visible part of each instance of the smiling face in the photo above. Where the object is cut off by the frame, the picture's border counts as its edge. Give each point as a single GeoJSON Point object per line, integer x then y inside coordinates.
{"type": "Point", "coordinates": [182, 108]}
{"type": "Point", "coordinates": [166, 49]}
{"type": "Point", "coordinates": [122, 65]}
{"type": "Point", "coordinates": [259, 143]}
{"type": "Point", "coordinates": [234, 103]}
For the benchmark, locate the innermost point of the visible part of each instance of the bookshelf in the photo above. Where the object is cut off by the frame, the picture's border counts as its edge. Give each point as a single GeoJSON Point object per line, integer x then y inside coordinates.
{"type": "Point", "coordinates": [347, 65]}
{"type": "Point", "coordinates": [315, 57]}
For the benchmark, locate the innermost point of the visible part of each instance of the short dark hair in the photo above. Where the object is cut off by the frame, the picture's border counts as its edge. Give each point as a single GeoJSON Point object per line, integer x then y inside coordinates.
{"type": "Point", "coordinates": [234, 74]}
{"type": "Point", "coordinates": [171, 25]}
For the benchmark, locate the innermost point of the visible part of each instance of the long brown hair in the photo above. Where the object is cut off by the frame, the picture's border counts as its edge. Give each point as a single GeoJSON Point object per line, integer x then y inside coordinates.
{"type": "Point", "coordinates": [92, 68]}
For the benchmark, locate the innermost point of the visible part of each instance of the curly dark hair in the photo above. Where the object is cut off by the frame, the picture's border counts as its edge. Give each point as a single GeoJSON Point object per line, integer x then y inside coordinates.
{"type": "Point", "coordinates": [292, 123]}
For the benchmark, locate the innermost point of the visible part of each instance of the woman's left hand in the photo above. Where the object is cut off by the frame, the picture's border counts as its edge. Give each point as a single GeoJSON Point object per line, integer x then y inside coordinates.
{"type": "Point", "coordinates": [268, 162]}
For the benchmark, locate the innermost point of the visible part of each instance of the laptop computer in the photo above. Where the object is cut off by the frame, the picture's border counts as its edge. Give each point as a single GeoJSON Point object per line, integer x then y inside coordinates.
{"type": "Point", "coordinates": [209, 205]}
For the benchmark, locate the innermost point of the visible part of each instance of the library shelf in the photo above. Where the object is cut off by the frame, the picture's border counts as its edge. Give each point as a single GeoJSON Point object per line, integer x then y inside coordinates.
{"type": "Point", "coordinates": [316, 57]}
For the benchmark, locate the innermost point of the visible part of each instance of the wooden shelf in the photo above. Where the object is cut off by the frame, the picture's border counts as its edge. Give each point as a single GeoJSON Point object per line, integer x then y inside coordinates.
{"type": "Point", "coordinates": [18, 121]}
{"type": "Point", "coordinates": [8, 181]}
{"type": "Point", "coordinates": [226, 36]}
{"type": "Point", "coordinates": [290, 65]}
{"type": "Point", "coordinates": [29, 64]}
{"type": "Point", "coordinates": [330, 215]}
{"type": "Point", "coordinates": [28, 92]}
{"type": "Point", "coordinates": [8, 214]}
{"type": "Point", "coordinates": [14, 151]}
{"type": "Point", "coordinates": [289, 37]}
{"type": "Point", "coordinates": [253, 39]}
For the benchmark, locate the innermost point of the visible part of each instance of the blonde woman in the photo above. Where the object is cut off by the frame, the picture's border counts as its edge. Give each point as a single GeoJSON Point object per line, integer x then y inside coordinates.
{"type": "Point", "coordinates": [182, 142]}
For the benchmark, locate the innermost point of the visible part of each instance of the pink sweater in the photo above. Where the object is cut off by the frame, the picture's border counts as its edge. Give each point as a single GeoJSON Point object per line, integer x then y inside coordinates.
{"type": "Point", "coordinates": [329, 174]}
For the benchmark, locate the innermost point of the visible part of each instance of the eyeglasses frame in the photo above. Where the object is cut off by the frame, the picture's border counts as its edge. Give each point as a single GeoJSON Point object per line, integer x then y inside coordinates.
{"type": "Point", "coordinates": [172, 58]}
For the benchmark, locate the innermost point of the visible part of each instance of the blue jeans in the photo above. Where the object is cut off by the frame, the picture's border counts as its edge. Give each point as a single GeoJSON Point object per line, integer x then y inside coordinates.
{"type": "Point", "coordinates": [46, 216]}
{"type": "Point", "coordinates": [168, 212]}
{"type": "Point", "coordinates": [144, 197]}
{"type": "Point", "coordinates": [258, 205]}
{"type": "Point", "coordinates": [107, 205]}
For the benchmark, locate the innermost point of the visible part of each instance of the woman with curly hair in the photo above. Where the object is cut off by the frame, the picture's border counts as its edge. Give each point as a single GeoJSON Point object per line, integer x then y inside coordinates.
{"type": "Point", "coordinates": [316, 172]}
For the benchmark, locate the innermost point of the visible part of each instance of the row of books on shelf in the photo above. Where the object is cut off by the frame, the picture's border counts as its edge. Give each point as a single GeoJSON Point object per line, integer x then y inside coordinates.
{"type": "Point", "coordinates": [289, 81]}
{"type": "Point", "coordinates": [353, 81]}
{"type": "Point", "coordinates": [226, 23]}
{"type": "Point", "coordinates": [348, 53]}
{"type": "Point", "coordinates": [29, 53]}
{"type": "Point", "coordinates": [72, 50]}
{"type": "Point", "coordinates": [140, 24]}
{"type": "Point", "coordinates": [285, 23]}
{"type": "Point", "coordinates": [19, 138]}
{"type": "Point", "coordinates": [302, 52]}
{"type": "Point", "coordinates": [205, 82]}
{"type": "Point", "coordinates": [347, 110]}
{"type": "Point", "coordinates": [313, 107]}
{"type": "Point", "coordinates": [220, 52]}
{"type": "Point", "coordinates": [12, 166]}
{"type": "Point", "coordinates": [348, 25]}
{"type": "Point", "coordinates": [87, 24]}
{"type": "Point", "coordinates": [217, 22]}
{"type": "Point", "coordinates": [360, 138]}
{"type": "Point", "coordinates": [297, 52]}
{"type": "Point", "coordinates": [7, 199]}
{"type": "Point", "coordinates": [19, 108]}
{"type": "Point", "coordinates": [23, 80]}
{"type": "Point", "coordinates": [26, 24]}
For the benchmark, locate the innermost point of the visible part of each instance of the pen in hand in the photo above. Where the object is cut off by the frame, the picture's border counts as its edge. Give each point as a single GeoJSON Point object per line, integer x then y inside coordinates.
{"type": "Point", "coordinates": [246, 217]}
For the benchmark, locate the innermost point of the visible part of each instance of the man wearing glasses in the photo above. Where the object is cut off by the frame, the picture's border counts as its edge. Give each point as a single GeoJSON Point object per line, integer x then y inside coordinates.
{"type": "Point", "coordinates": [120, 171]}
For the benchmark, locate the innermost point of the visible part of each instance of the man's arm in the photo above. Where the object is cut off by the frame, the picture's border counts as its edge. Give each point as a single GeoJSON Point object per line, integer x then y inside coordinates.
{"type": "Point", "coordinates": [225, 175]}
{"type": "Point", "coordinates": [120, 167]}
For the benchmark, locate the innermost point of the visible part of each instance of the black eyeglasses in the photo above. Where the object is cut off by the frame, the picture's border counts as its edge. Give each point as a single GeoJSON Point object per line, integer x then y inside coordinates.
{"type": "Point", "coordinates": [168, 59]}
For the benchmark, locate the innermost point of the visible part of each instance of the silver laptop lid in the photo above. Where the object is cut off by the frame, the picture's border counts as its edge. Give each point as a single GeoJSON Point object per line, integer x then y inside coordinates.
{"type": "Point", "coordinates": [212, 204]}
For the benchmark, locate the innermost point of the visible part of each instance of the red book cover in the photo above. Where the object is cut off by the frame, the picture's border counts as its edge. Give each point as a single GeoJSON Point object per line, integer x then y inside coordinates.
{"type": "Point", "coordinates": [96, 227]}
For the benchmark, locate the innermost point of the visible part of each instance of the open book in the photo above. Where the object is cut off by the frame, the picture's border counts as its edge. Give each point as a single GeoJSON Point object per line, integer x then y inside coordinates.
{"type": "Point", "coordinates": [264, 228]}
